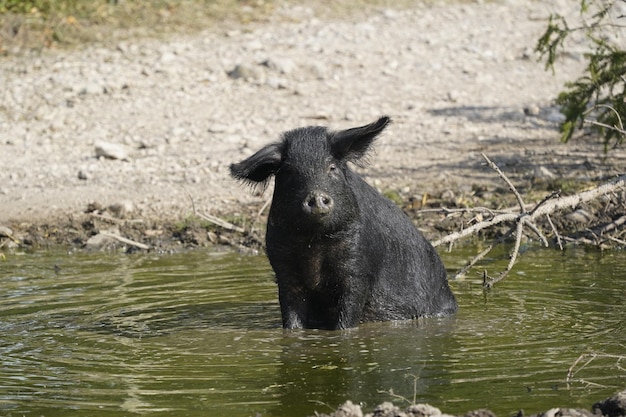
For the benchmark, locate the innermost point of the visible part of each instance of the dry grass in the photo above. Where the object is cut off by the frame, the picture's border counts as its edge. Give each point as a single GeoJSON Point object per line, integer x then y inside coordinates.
{"type": "Point", "coordinates": [37, 25]}
{"type": "Point", "coordinates": [67, 23]}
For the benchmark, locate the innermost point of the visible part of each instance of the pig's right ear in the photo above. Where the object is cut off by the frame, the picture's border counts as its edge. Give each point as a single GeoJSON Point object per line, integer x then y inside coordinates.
{"type": "Point", "coordinates": [260, 166]}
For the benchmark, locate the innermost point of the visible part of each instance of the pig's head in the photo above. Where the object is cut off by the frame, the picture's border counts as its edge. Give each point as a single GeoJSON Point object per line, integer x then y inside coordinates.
{"type": "Point", "coordinates": [314, 185]}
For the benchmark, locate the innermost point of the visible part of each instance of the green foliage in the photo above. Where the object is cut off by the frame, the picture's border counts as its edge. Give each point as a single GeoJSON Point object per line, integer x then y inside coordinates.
{"type": "Point", "coordinates": [598, 97]}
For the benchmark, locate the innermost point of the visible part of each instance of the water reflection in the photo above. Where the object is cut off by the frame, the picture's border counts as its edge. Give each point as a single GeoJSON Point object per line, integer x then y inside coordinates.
{"type": "Point", "coordinates": [199, 334]}
{"type": "Point", "coordinates": [319, 367]}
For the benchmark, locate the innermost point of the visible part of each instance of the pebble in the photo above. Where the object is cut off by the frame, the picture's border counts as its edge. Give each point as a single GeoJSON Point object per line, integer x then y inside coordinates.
{"type": "Point", "coordinates": [111, 151]}
{"type": "Point", "coordinates": [280, 65]}
{"type": "Point", "coordinates": [247, 72]}
{"type": "Point", "coordinates": [543, 172]}
{"type": "Point", "coordinates": [99, 242]}
{"type": "Point", "coordinates": [122, 209]}
{"type": "Point", "coordinates": [349, 409]}
{"type": "Point", "coordinates": [532, 110]}
{"type": "Point", "coordinates": [6, 231]}
{"type": "Point", "coordinates": [580, 216]}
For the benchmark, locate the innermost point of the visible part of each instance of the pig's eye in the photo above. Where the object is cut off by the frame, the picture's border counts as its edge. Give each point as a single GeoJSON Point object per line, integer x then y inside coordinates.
{"type": "Point", "coordinates": [332, 168]}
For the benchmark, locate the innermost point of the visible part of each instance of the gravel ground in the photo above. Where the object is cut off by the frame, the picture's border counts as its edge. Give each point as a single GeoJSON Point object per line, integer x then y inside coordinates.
{"type": "Point", "coordinates": [143, 124]}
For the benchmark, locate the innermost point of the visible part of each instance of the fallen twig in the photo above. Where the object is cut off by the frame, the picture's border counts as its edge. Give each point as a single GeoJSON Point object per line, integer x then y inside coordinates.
{"type": "Point", "coordinates": [556, 232]}
{"type": "Point", "coordinates": [572, 371]}
{"type": "Point", "coordinates": [220, 222]}
{"type": "Point", "coordinates": [125, 240]}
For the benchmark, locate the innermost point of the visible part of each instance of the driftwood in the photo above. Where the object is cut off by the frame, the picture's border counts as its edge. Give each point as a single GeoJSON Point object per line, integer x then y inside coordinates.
{"type": "Point", "coordinates": [525, 217]}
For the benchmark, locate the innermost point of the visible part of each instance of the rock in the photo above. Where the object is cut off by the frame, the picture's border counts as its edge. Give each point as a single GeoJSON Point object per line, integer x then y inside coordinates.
{"type": "Point", "coordinates": [480, 413]}
{"type": "Point", "coordinates": [121, 209]}
{"type": "Point", "coordinates": [348, 409]}
{"type": "Point", "coordinates": [423, 410]}
{"type": "Point", "coordinates": [447, 195]}
{"type": "Point", "coordinates": [82, 175]}
{"type": "Point", "coordinates": [565, 412]}
{"type": "Point", "coordinates": [6, 232]}
{"type": "Point", "coordinates": [612, 407]}
{"type": "Point", "coordinates": [111, 151]}
{"type": "Point", "coordinates": [91, 89]}
{"type": "Point", "coordinates": [385, 409]}
{"type": "Point", "coordinates": [453, 96]}
{"type": "Point", "coordinates": [99, 242]}
{"type": "Point", "coordinates": [532, 110]}
{"type": "Point", "coordinates": [579, 216]}
{"type": "Point", "coordinates": [167, 57]}
{"type": "Point", "coordinates": [283, 66]}
{"type": "Point", "coordinates": [277, 83]}
{"type": "Point", "coordinates": [94, 207]}
{"type": "Point", "coordinates": [543, 172]}
{"type": "Point", "coordinates": [247, 73]}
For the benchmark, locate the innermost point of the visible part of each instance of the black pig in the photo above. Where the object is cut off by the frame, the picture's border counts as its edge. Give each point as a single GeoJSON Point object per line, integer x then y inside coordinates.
{"type": "Point", "coordinates": [342, 253]}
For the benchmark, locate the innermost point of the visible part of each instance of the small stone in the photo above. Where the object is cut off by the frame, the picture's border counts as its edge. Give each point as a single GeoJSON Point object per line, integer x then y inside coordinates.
{"type": "Point", "coordinates": [453, 96]}
{"type": "Point", "coordinates": [276, 83]}
{"type": "Point", "coordinates": [579, 216]}
{"type": "Point", "coordinates": [349, 409]}
{"type": "Point", "coordinates": [532, 110]}
{"type": "Point", "coordinates": [94, 207]}
{"type": "Point", "coordinates": [247, 72]}
{"type": "Point", "coordinates": [447, 195]}
{"type": "Point", "coordinates": [111, 151]}
{"type": "Point", "coordinates": [91, 89]}
{"type": "Point", "coordinates": [480, 413]}
{"type": "Point", "coordinates": [99, 242]}
{"type": "Point", "coordinates": [614, 406]}
{"type": "Point", "coordinates": [543, 172]}
{"type": "Point", "coordinates": [386, 409]}
{"type": "Point", "coordinates": [122, 208]}
{"type": "Point", "coordinates": [6, 231]}
{"type": "Point", "coordinates": [82, 175]}
{"type": "Point", "coordinates": [423, 410]}
{"type": "Point", "coordinates": [565, 412]}
{"type": "Point", "coordinates": [168, 57]}
{"type": "Point", "coordinates": [283, 66]}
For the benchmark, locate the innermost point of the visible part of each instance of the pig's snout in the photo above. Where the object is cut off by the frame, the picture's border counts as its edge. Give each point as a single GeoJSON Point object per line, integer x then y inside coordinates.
{"type": "Point", "coordinates": [317, 203]}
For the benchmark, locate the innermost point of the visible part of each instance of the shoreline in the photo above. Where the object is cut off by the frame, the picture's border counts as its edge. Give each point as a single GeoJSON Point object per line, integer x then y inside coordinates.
{"type": "Point", "coordinates": [134, 137]}
{"type": "Point", "coordinates": [614, 406]}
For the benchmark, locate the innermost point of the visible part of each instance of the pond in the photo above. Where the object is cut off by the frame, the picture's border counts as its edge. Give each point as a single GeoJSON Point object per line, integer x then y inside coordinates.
{"type": "Point", "coordinates": [199, 334]}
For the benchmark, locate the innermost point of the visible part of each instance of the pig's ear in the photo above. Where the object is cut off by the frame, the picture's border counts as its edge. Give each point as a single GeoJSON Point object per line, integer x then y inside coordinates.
{"type": "Point", "coordinates": [260, 166]}
{"type": "Point", "coordinates": [353, 144]}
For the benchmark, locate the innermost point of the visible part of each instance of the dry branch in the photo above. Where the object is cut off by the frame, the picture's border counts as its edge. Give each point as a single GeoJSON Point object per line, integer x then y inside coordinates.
{"type": "Point", "coordinates": [221, 222]}
{"type": "Point", "coordinates": [125, 240]}
{"type": "Point", "coordinates": [590, 357]}
{"type": "Point", "coordinates": [560, 203]}
{"type": "Point", "coordinates": [526, 218]}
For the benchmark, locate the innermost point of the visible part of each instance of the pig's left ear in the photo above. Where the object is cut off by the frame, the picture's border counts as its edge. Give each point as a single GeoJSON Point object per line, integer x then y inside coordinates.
{"type": "Point", "coordinates": [259, 167]}
{"type": "Point", "coordinates": [353, 144]}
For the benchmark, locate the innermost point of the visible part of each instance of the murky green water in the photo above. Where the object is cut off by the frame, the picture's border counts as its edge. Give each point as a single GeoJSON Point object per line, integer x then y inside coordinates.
{"type": "Point", "coordinates": [198, 334]}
